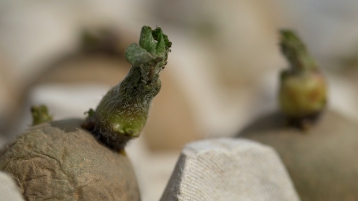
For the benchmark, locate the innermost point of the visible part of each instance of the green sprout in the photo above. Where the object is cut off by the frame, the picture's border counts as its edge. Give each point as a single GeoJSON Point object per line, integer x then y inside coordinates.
{"type": "Point", "coordinates": [40, 114]}
{"type": "Point", "coordinates": [303, 89]}
{"type": "Point", "coordinates": [123, 111]}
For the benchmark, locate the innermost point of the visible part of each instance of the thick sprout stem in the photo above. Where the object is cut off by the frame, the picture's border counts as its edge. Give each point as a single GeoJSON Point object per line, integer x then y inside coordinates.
{"type": "Point", "coordinates": [123, 111]}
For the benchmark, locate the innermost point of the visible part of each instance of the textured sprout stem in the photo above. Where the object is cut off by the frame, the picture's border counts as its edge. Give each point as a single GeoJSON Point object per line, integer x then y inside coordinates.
{"type": "Point", "coordinates": [123, 111]}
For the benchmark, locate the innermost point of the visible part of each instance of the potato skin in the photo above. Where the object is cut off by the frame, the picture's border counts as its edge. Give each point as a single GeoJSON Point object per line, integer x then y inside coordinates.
{"type": "Point", "coordinates": [61, 161]}
{"type": "Point", "coordinates": [322, 161]}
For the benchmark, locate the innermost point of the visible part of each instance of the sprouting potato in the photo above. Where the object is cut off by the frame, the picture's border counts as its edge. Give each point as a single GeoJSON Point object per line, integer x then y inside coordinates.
{"type": "Point", "coordinates": [85, 160]}
{"type": "Point", "coordinates": [317, 147]}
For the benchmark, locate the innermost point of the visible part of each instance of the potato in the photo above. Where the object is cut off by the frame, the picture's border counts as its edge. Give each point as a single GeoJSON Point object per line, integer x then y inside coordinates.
{"type": "Point", "coordinates": [321, 161]}
{"type": "Point", "coordinates": [61, 161]}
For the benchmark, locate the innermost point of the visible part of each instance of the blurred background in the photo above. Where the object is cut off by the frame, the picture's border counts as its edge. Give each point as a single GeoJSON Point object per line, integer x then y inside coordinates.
{"type": "Point", "coordinates": [221, 74]}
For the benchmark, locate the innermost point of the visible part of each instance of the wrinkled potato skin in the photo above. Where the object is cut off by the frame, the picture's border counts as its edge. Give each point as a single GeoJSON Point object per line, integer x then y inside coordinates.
{"type": "Point", "coordinates": [321, 161]}
{"type": "Point", "coordinates": [61, 161]}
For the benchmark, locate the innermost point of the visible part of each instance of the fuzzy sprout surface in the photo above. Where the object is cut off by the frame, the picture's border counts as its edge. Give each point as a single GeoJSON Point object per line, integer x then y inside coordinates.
{"type": "Point", "coordinates": [123, 111]}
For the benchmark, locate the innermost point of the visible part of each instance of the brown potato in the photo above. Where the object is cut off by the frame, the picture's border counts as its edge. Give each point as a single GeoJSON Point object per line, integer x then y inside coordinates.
{"type": "Point", "coordinates": [61, 161]}
{"type": "Point", "coordinates": [321, 161]}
